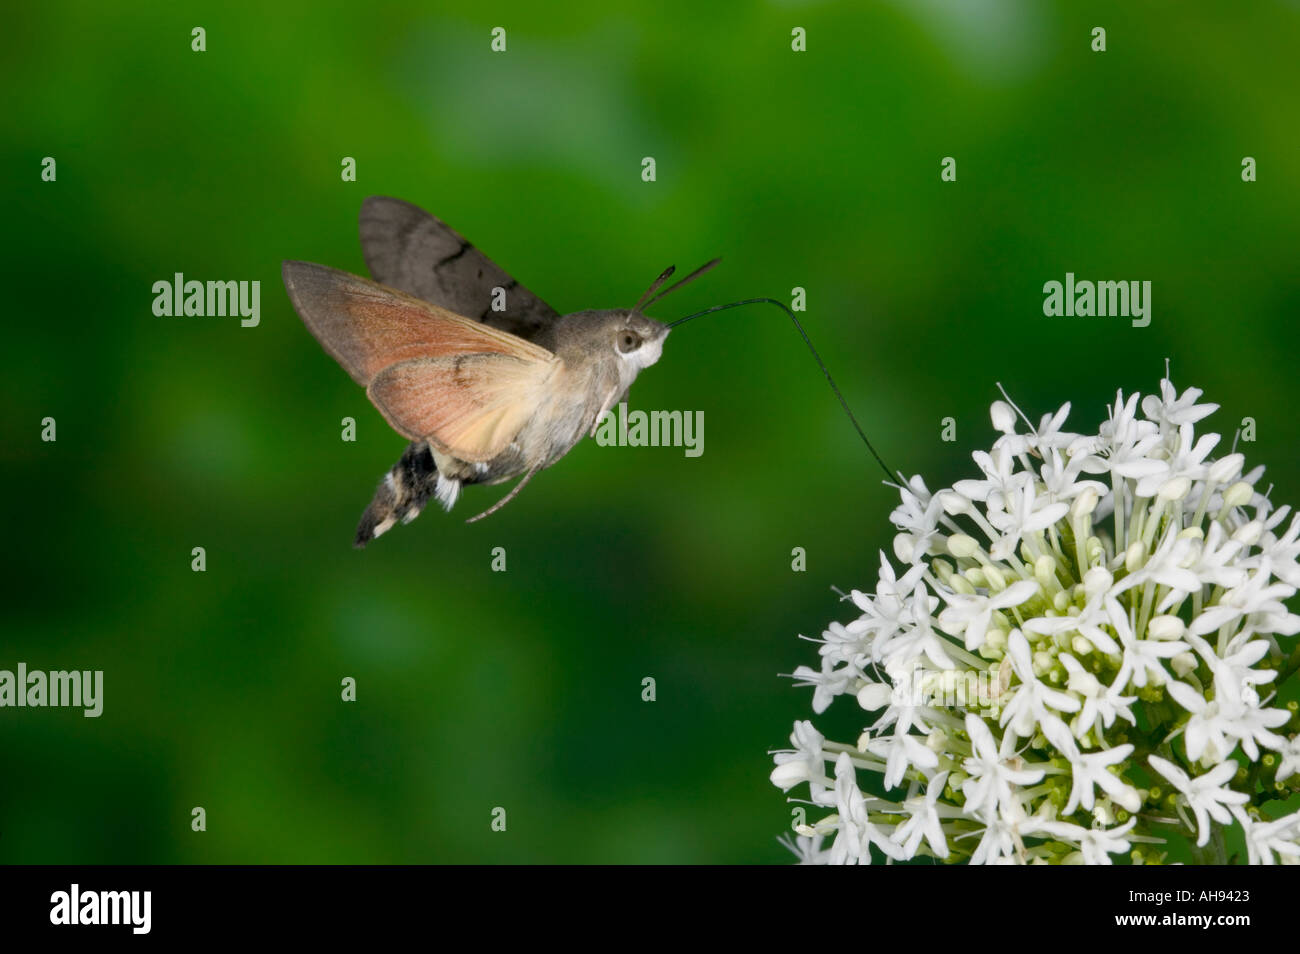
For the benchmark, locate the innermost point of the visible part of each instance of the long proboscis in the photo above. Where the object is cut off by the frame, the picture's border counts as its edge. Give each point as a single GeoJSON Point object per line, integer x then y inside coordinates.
{"type": "Point", "coordinates": [806, 340]}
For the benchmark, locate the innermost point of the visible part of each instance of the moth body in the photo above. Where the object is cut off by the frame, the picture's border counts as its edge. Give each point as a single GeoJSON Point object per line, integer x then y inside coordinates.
{"type": "Point", "coordinates": [584, 386]}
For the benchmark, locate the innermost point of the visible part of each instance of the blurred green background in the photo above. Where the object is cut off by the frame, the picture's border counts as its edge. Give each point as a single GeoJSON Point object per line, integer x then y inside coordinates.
{"type": "Point", "coordinates": [523, 689]}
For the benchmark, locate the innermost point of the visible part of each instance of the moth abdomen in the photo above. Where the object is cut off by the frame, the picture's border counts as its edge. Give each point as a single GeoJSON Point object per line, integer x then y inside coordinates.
{"type": "Point", "coordinates": [402, 494]}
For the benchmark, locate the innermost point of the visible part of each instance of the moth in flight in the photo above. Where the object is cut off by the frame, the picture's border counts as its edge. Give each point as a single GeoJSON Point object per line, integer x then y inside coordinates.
{"type": "Point", "coordinates": [485, 379]}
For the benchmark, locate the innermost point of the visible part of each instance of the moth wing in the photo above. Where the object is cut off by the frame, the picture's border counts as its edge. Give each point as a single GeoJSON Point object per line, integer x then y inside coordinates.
{"type": "Point", "coordinates": [470, 406]}
{"type": "Point", "coordinates": [368, 328]}
{"type": "Point", "coordinates": [408, 249]}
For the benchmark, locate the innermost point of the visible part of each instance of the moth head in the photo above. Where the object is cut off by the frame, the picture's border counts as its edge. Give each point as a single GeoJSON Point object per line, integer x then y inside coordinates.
{"type": "Point", "coordinates": [624, 336]}
{"type": "Point", "coordinates": [638, 340]}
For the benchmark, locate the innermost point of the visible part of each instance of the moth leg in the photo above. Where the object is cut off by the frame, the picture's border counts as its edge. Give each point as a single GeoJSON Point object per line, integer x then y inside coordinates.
{"type": "Point", "coordinates": [402, 494]}
{"type": "Point", "coordinates": [514, 491]}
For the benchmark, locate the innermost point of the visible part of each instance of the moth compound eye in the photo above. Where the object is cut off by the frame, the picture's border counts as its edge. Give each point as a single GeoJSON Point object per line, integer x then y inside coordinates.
{"type": "Point", "coordinates": [628, 341]}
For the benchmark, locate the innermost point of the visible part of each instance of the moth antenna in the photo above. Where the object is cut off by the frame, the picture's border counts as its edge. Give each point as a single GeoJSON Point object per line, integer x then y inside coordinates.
{"type": "Point", "coordinates": [514, 492]}
{"type": "Point", "coordinates": [678, 284]}
{"type": "Point", "coordinates": [654, 287]}
{"type": "Point", "coordinates": [806, 340]}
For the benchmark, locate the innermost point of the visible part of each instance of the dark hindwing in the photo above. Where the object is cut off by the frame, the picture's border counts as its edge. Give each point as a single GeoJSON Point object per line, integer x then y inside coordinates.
{"type": "Point", "coordinates": [408, 249]}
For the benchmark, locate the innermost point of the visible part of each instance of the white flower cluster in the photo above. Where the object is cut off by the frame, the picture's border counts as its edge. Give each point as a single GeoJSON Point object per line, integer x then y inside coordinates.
{"type": "Point", "coordinates": [1080, 660]}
